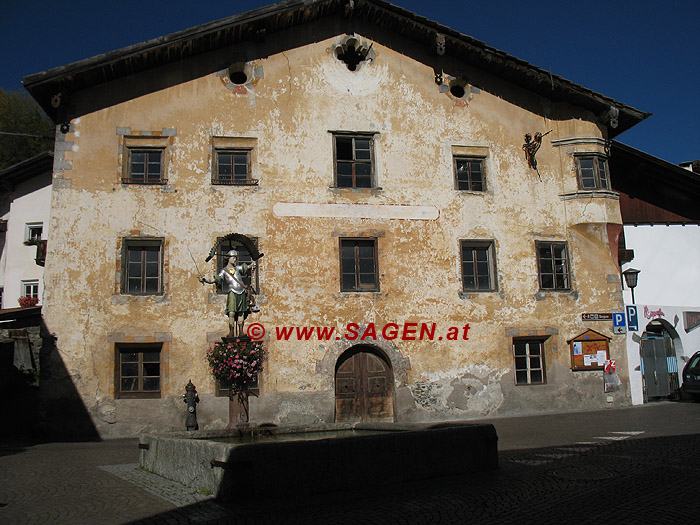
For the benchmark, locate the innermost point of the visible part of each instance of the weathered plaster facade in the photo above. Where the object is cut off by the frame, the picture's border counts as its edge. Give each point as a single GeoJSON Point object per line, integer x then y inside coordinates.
{"type": "Point", "coordinates": [286, 111]}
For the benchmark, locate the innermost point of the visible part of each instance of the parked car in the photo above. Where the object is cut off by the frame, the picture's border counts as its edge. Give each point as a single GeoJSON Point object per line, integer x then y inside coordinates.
{"type": "Point", "coordinates": [691, 377]}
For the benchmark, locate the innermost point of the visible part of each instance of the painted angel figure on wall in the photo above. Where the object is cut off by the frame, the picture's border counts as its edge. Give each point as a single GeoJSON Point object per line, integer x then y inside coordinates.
{"type": "Point", "coordinates": [531, 147]}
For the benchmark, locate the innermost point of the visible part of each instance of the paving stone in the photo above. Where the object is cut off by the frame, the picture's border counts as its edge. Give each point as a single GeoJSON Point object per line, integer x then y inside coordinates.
{"type": "Point", "coordinates": [634, 480]}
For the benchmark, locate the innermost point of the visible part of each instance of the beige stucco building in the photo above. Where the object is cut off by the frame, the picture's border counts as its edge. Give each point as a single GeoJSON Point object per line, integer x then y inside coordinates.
{"type": "Point", "coordinates": [378, 161]}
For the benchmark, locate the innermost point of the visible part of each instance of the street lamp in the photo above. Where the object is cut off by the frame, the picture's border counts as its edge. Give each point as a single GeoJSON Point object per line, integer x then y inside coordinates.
{"type": "Point", "coordinates": [631, 280]}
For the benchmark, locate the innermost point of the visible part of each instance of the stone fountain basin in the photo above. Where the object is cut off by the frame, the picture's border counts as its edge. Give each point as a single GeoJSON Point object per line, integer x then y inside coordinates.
{"type": "Point", "coordinates": [274, 462]}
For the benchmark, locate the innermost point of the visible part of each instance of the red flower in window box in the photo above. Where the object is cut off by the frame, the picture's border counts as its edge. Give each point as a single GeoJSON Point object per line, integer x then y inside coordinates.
{"type": "Point", "coordinates": [26, 302]}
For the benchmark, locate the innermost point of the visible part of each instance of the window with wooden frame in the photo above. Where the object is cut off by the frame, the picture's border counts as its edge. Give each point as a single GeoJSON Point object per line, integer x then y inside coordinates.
{"type": "Point", "coordinates": [233, 161]}
{"type": "Point", "coordinates": [232, 166]}
{"type": "Point", "coordinates": [469, 173]}
{"type": "Point", "coordinates": [592, 172]}
{"type": "Point", "coordinates": [30, 289]}
{"type": "Point", "coordinates": [358, 265]}
{"type": "Point", "coordinates": [138, 370]}
{"type": "Point", "coordinates": [529, 363]}
{"type": "Point", "coordinates": [553, 266]}
{"type": "Point", "coordinates": [478, 266]}
{"type": "Point", "coordinates": [142, 267]}
{"type": "Point", "coordinates": [353, 160]}
{"type": "Point", "coordinates": [144, 160]}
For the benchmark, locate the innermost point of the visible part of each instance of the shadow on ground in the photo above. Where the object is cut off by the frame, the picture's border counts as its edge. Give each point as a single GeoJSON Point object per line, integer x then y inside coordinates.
{"type": "Point", "coordinates": [633, 480]}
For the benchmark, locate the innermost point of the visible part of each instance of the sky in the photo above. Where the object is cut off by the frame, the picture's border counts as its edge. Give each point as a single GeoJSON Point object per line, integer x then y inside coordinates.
{"type": "Point", "coordinates": [643, 53]}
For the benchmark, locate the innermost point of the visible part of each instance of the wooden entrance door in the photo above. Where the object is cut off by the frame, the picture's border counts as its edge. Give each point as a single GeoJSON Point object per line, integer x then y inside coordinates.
{"type": "Point", "coordinates": [363, 387]}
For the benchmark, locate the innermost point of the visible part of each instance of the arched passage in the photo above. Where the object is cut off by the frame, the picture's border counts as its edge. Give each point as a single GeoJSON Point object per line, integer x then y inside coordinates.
{"type": "Point", "coordinates": [364, 386]}
{"type": "Point", "coordinates": [659, 349]}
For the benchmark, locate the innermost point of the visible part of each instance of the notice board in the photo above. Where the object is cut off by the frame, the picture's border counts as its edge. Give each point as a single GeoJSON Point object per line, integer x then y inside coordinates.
{"type": "Point", "coordinates": [589, 351]}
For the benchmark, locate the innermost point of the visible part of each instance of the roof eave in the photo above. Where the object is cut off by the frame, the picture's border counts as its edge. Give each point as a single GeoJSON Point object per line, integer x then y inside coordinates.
{"type": "Point", "coordinates": [45, 84]}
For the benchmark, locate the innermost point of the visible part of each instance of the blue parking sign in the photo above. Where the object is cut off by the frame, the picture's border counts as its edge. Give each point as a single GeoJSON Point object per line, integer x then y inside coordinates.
{"type": "Point", "coordinates": [632, 319]}
{"type": "Point", "coordinates": [619, 324]}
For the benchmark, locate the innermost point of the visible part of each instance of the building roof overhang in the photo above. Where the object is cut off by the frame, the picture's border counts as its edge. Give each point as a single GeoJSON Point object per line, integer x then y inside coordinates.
{"type": "Point", "coordinates": [258, 24]}
{"type": "Point", "coordinates": [26, 169]}
{"type": "Point", "coordinates": [653, 191]}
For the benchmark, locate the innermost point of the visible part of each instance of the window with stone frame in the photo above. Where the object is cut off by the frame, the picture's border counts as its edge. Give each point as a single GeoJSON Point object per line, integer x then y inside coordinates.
{"type": "Point", "coordinates": [358, 265]}
{"type": "Point", "coordinates": [469, 173]}
{"type": "Point", "coordinates": [553, 266]}
{"type": "Point", "coordinates": [592, 172]}
{"type": "Point", "coordinates": [144, 159]}
{"type": "Point", "coordinates": [244, 257]}
{"type": "Point", "coordinates": [353, 160]}
{"type": "Point", "coordinates": [529, 361]}
{"type": "Point", "coordinates": [142, 266]}
{"type": "Point", "coordinates": [138, 370]}
{"type": "Point", "coordinates": [232, 167]}
{"type": "Point", "coordinates": [478, 266]}
{"type": "Point", "coordinates": [145, 166]}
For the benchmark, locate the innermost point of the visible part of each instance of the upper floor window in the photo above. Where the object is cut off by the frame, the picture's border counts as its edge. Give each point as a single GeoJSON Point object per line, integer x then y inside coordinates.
{"type": "Point", "coordinates": [358, 265]}
{"type": "Point", "coordinates": [592, 172]}
{"type": "Point", "coordinates": [144, 159]}
{"type": "Point", "coordinates": [34, 231]}
{"type": "Point", "coordinates": [232, 167]}
{"type": "Point", "coordinates": [478, 266]}
{"type": "Point", "coordinates": [553, 266]}
{"type": "Point", "coordinates": [233, 159]}
{"type": "Point", "coordinates": [469, 173]}
{"type": "Point", "coordinates": [145, 166]}
{"type": "Point", "coordinates": [142, 263]}
{"type": "Point", "coordinates": [30, 289]}
{"type": "Point", "coordinates": [354, 161]}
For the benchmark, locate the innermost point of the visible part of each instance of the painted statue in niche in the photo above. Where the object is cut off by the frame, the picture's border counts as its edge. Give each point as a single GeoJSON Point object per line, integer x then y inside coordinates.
{"type": "Point", "coordinates": [240, 298]}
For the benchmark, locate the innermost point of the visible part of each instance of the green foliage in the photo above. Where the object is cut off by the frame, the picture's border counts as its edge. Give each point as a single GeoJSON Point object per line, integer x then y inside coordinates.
{"type": "Point", "coordinates": [19, 113]}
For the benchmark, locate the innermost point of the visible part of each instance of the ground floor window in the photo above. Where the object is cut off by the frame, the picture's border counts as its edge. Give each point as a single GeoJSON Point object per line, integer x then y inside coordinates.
{"type": "Point", "coordinates": [529, 361]}
{"type": "Point", "coordinates": [138, 370]}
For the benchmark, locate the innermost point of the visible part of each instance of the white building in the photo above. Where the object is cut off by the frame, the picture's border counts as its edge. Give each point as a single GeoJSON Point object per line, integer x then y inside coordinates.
{"type": "Point", "coordinates": [661, 216]}
{"type": "Point", "coordinates": [25, 202]}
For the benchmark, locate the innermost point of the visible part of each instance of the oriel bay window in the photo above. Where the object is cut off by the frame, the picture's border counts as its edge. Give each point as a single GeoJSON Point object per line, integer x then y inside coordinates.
{"type": "Point", "coordinates": [358, 265]}
{"type": "Point", "coordinates": [553, 266]}
{"type": "Point", "coordinates": [142, 266]}
{"type": "Point", "coordinates": [138, 370]}
{"type": "Point", "coordinates": [592, 172]}
{"type": "Point", "coordinates": [354, 161]}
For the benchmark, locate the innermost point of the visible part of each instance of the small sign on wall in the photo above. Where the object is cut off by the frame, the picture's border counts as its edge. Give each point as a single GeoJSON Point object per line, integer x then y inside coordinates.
{"type": "Point", "coordinates": [619, 324]}
{"type": "Point", "coordinates": [589, 351]}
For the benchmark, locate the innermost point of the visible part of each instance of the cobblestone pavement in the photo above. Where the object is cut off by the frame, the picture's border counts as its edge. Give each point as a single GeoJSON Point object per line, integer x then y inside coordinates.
{"type": "Point", "coordinates": [597, 476]}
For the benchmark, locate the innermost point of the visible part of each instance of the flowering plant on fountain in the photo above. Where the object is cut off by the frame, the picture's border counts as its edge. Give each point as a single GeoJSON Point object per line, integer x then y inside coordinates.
{"type": "Point", "coordinates": [237, 363]}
